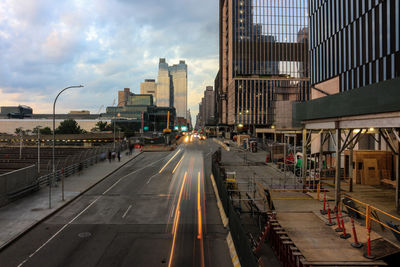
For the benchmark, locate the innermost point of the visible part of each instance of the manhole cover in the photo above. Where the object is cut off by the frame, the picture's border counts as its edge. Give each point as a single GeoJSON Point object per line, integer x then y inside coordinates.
{"type": "Point", "coordinates": [84, 234]}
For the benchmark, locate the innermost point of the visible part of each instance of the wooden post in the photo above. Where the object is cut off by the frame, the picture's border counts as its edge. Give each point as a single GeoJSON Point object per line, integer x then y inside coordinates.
{"type": "Point", "coordinates": [337, 171]}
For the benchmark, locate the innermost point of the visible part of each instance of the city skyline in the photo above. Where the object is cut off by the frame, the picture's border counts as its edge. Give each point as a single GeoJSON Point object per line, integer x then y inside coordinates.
{"type": "Point", "coordinates": [101, 51]}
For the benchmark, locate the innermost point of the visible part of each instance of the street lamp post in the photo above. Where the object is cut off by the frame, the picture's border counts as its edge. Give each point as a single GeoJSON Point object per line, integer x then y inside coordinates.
{"type": "Point", "coordinates": [54, 138]}
{"type": "Point", "coordinates": [115, 113]}
{"type": "Point", "coordinates": [38, 141]}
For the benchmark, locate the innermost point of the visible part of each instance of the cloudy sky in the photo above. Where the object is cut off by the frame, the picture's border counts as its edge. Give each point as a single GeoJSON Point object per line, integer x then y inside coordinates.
{"type": "Point", "coordinates": [106, 45]}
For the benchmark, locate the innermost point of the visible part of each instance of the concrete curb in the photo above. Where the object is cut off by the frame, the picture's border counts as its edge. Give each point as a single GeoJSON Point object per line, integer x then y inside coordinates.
{"type": "Point", "coordinates": [221, 144]}
{"type": "Point", "coordinates": [26, 230]}
{"type": "Point", "coordinates": [224, 218]}
{"type": "Point", "coordinates": [232, 251]}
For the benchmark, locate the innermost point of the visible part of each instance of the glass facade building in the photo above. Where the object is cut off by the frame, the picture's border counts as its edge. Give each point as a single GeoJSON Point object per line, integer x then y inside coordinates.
{"type": "Point", "coordinates": [264, 61]}
{"type": "Point", "coordinates": [178, 73]}
{"type": "Point", "coordinates": [172, 87]}
{"type": "Point", "coordinates": [163, 85]}
{"type": "Point", "coordinates": [357, 41]}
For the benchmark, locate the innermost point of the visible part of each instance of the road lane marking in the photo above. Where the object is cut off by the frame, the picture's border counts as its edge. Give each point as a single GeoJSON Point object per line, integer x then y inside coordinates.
{"type": "Point", "coordinates": [126, 212]}
{"type": "Point", "coordinates": [178, 164]}
{"type": "Point", "coordinates": [166, 164]}
{"type": "Point", "coordinates": [200, 233]}
{"type": "Point", "coordinates": [176, 221]}
{"type": "Point", "coordinates": [80, 213]}
{"type": "Point", "coordinates": [148, 181]}
{"type": "Point", "coordinates": [59, 231]}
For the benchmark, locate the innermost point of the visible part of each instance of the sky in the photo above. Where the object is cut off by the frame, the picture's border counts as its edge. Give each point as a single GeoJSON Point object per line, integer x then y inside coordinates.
{"type": "Point", "coordinates": [105, 45]}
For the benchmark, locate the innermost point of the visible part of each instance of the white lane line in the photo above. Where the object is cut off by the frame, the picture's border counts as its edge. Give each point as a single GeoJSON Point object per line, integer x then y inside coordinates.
{"type": "Point", "coordinates": [59, 231]}
{"type": "Point", "coordinates": [80, 213]}
{"type": "Point", "coordinates": [126, 212]}
{"type": "Point", "coordinates": [148, 181]}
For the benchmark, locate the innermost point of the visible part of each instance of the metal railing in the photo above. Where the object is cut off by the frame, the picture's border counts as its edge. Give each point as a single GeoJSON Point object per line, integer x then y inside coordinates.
{"type": "Point", "coordinates": [239, 236]}
{"type": "Point", "coordinates": [77, 163]}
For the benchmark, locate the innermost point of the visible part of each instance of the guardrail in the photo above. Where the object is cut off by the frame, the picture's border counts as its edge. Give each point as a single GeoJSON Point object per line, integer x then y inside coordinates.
{"type": "Point", "coordinates": [370, 213]}
{"type": "Point", "coordinates": [65, 169]}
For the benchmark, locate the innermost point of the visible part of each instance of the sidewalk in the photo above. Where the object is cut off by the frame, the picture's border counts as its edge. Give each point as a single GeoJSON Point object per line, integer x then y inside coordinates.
{"type": "Point", "coordinates": [19, 216]}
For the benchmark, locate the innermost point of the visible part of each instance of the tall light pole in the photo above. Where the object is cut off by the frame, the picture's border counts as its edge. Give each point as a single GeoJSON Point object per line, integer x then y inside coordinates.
{"type": "Point", "coordinates": [115, 113]}
{"type": "Point", "coordinates": [38, 141]}
{"type": "Point", "coordinates": [54, 138]}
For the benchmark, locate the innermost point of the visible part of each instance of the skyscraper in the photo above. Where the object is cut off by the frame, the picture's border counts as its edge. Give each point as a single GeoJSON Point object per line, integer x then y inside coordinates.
{"type": "Point", "coordinates": [178, 73]}
{"type": "Point", "coordinates": [163, 85]}
{"type": "Point", "coordinates": [149, 86]}
{"type": "Point", "coordinates": [354, 43]}
{"type": "Point", "coordinates": [172, 87]}
{"type": "Point", "coordinates": [263, 61]}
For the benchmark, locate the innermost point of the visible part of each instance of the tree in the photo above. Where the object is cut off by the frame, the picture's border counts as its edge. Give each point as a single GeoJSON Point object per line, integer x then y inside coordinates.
{"type": "Point", "coordinates": [69, 126]}
{"type": "Point", "coordinates": [19, 131]}
{"type": "Point", "coordinates": [102, 126]}
{"type": "Point", "coordinates": [46, 131]}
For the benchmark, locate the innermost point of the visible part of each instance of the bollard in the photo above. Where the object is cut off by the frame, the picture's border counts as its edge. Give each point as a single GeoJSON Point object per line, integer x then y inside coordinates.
{"type": "Point", "coordinates": [339, 228]}
{"type": "Point", "coordinates": [356, 244]}
{"type": "Point", "coordinates": [330, 223]}
{"type": "Point", "coordinates": [323, 211]}
{"type": "Point", "coordinates": [344, 235]}
{"type": "Point", "coordinates": [368, 255]}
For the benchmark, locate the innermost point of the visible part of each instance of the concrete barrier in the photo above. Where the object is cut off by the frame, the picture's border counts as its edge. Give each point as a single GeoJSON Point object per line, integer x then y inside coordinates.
{"type": "Point", "coordinates": [221, 144]}
{"type": "Point", "coordinates": [18, 181]}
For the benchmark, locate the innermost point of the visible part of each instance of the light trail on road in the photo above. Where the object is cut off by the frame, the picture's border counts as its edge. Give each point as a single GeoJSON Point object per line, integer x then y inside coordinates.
{"type": "Point", "coordinates": [177, 165]}
{"type": "Point", "coordinates": [166, 164]}
{"type": "Point", "coordinates": [176, 222]}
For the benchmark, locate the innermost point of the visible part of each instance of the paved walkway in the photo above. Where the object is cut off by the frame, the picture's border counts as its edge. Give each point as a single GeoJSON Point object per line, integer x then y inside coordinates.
{"type": "Point", "coordinates": [20, 215]}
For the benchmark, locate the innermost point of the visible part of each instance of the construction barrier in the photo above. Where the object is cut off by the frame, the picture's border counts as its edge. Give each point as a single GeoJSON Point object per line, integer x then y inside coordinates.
{"type": "Point", "coordinates": [371, 214]}
{"type": "Point", "coordinates": [295, 190]}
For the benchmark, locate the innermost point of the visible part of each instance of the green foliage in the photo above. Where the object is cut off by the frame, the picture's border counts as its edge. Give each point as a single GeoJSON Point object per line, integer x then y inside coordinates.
{"type": "Point", "coordinates": [102, 126]}
{"type": "Point", "coordinates": [19, 131]}
{"type": "Point", "coordinates": [69, 126]}
{"type": "Point", "coordinates": [46, 131]}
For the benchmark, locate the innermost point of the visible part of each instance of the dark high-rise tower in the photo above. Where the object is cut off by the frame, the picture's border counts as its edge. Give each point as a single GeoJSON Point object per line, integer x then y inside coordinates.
{"type": "Point", "coordinates": [354, 43]}
{"type": "Point", "coordinates": [263, 61]}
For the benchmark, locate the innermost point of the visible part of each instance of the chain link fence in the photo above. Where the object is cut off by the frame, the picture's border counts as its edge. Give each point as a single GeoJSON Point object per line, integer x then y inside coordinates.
{"type": "Point", "coordinates": [239, 236]}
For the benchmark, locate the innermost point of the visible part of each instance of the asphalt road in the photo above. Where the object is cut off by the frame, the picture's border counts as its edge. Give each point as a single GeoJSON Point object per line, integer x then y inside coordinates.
{"type": "Point", "coordinates": [158, 210]}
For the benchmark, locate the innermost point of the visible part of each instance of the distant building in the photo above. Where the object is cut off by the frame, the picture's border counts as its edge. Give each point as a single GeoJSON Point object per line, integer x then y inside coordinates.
{"type": "Point", "coordinates": [140, 112]}
{"type": "Point", "coordinates": [149, 86]}
{"type": "Point", "coordinates": [123, 96]}
{"type": "Point", "coordinates": [263, 63]}
{"type": "Point", "coordinates": [209, 109]}
{"type": "Point", "coordinates": [18, 112]}
{"type": "Point", "coordinates": [179, 85]}
{"type": "Point", "coordinates": [172, 86]}
{"type": "Point", "coordinates": [76, 112]}
{"type": "Point", "coordinates": [164, 85]}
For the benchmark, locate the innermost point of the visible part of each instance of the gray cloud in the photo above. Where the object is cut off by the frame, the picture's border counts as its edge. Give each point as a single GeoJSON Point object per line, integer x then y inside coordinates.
{"type": "Point", "coordinates": [107, 45]}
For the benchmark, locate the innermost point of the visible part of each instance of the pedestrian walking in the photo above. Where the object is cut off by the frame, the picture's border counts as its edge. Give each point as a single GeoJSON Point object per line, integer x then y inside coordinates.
{"type": "Point", "coordinates": [109, 156]}
{"type": "Point", "coordinates": [119, 156]}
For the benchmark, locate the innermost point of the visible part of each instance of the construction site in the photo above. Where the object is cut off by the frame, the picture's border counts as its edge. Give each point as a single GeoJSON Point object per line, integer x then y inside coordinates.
{"type": "Point", "coordinates": [312, 212]}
